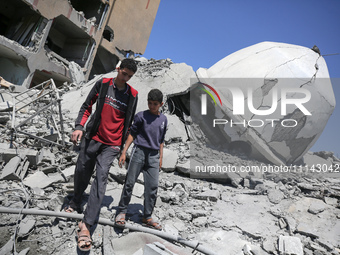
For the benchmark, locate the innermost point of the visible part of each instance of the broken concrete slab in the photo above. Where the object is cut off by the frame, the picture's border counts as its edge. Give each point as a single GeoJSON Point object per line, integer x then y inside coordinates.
{"type": "Point", "coordinates": [133, 242]}
{"type": "Point", "coordinates": [316, 206]}
{"type": "Point", "coordinates": [26, 225]}
{"type": "Point", "coordinates": [10, 170]}
{"type": "Point", "coordinates": [8, 247]}
{"type": "Point", "coordinates": [290, 245]}
{"type": "Point", "coordinates": [38, 179]}
{"type": "Point", "coordinates": [169, 160]}
{"type": "Point", "coordinates": [175, 130]}
{"type": "Point", "coordinates": [8, 153]}
{"type": "Point", "coordinates": [275, 196]}
{"type": "Point", "coordinates": [183, 168]}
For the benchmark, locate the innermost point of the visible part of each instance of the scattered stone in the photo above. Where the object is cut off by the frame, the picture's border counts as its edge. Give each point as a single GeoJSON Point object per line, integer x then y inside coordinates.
{"type": "Point", "coordinates": [269, 245]}
{"type": "Point", "coordinates": [317, 206]}
{"type": "Point", "coordinates": [138, 190]}
{"type": "Point", "coordinates": [331, 201]}
{"type": "Point", "coordinates": [184, 216]}
{"type": "Point", "coordinates": [290, 245]}
{"type": "Point", "coordinates": [275, 196]}
{"type": "Point", "coordinates": [209, 195]}
{"type": "Point", "coordinates": [307, 230]}
{"type": "Point", "coordinates": [10, 170]}
{"type": "Point", "coordinates": [26, 225]}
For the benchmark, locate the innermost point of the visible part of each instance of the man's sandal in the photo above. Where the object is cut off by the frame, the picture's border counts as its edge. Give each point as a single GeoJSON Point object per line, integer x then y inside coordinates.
{"type": "Point", "coordinates": [120, 220]}
{"type": "Point", "coordinates": [84, 239]}
{"type": "Point", "coordinates": [150, 223]}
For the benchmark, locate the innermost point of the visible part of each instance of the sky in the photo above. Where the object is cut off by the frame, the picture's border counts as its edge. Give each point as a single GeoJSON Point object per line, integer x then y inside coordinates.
{"type": "Point", "coordinates": [200, 33]}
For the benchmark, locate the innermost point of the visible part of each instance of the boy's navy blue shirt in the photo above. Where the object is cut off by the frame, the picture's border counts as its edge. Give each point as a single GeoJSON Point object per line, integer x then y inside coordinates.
{"type": "Point", "coordinates": [148, 130]}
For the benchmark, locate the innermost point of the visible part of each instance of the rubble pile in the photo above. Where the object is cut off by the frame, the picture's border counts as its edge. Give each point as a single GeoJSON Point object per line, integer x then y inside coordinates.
{"type": "Point", "coordinates": [292, 212]}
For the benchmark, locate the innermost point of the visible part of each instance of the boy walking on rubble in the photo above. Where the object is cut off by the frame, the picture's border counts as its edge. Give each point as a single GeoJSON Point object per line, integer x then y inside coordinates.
{"type": "Point", "coordinates": [147, 132]}
{"type": "Point", "coordinates": [105, 135]}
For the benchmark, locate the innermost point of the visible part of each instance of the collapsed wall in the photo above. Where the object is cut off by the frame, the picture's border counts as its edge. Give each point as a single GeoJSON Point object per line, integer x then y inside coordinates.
{"type": "Point", "coordinates": [40, 40]}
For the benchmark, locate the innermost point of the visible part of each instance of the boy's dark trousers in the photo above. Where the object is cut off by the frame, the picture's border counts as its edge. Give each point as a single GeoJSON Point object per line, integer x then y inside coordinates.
{"type": "Point", "coordinates": [92, 153]}
{"type": "Point", "coordinates": [146, 160]}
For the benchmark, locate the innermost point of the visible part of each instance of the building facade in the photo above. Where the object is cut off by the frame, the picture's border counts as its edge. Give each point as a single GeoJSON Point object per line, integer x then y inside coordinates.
{"type": "Point", "coordinates": [43, 39]}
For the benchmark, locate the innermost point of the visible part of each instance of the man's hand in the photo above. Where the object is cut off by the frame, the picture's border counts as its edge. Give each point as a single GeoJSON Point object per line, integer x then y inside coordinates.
{"type": "Point", "coordinates": [122, 159]}
{"type": "Point", "coordinates": [76, 136]}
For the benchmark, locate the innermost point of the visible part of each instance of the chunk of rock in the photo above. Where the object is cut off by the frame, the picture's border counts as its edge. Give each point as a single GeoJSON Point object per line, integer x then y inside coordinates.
{"type": "Point", "coordinates": [209, 195]}
{"type": "Point", "coordinates": [169, 160]}
{"type": "Point", "coordinates": [275, 196]}
{"type": "Point", "coordinates": [317, 206]}
{"type": "Point", "coordinates": [26, 226]}
{"type": "Point", "coordinates": [290, 245]}
{"type": "Point", "coordinates": [39, 180]}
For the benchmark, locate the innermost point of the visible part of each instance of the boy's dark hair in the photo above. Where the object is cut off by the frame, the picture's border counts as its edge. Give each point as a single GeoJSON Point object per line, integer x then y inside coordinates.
{"type": "Point", "coordinates": [129, 64]}
{"type": "Point", "coordinates": [155, 95]}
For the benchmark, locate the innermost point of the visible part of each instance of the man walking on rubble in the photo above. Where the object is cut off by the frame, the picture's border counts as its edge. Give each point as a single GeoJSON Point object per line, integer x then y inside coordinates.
{"type": "Point", "coordinates": [105, 134]}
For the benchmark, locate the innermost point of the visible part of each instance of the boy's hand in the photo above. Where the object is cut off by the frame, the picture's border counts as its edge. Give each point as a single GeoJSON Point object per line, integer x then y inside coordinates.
{"type": "Point", "coordinates": [122, 159]}
{"type": "Point", "coordinates": [160, 164]}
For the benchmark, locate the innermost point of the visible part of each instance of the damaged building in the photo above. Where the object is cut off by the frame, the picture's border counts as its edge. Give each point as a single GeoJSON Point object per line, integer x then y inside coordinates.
{"type": "Point", "coordinates": [40, 40]}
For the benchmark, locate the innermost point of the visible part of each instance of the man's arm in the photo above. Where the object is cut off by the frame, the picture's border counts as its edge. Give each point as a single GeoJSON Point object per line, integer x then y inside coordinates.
{"type": "Point", "coordinates": [84, 113]}
{"type": "Point", "coordinates": [122, 157]}
{"type": "Point", "coordinates": [86, 108]}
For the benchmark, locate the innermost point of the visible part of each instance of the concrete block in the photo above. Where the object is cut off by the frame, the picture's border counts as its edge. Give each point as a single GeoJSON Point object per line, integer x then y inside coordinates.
{"type": "Point", "coordinates": [25, 226]}
{"type": "Point", "coordinates": [39, 180]}
{"type": "Point", "coordinates": [211, 195]}
{"type": "Point", "coordinates": [176, 130]}
{"type": "Point", "coordinates": [10, 170]}
{"type": "Point", "coordinates": [169, 160]}
{"type": "Point", "coordinates": [290, 245]}
{"type": "Point", "coordinates": [69, 171]}
{"type": "Point", "coordinates": [8, 153]}
{"type": "Point", "coordinates": [45, 155]}
{"type": "Point", "coordinates": [138, 190]}
{"type": "Point", "coordinates": [183, 168]}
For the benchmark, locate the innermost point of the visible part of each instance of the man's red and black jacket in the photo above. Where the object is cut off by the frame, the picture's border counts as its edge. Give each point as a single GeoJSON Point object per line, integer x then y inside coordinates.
{"type": "Point", "coordinates": [98, 94]}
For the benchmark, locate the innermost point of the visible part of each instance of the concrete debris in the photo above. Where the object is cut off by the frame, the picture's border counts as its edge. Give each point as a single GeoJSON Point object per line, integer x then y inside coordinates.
{"type": "Point", "coordinates": [266, 75]}
{"type": "Point", "coordinates": [231, 213]}
{"type": "Point", "coordinates": [71, 42]}
{"type": "Point", "coordinates": [38, 180]}
{"type": "Point", "coordinates": [169, 160]}
{"type": "Point", "coordinates": [290, 245]}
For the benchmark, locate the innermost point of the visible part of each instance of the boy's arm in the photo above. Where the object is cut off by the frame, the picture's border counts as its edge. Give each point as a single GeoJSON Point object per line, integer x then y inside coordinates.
{"type": "Point", "coordinates": [122, 157]}
{"type": "Point", "coordinates": [160, 155]}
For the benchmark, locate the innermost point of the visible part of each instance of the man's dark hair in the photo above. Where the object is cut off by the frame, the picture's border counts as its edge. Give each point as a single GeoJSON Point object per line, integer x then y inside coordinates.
{"type": "Point", "coordinates": [155, 95]}
{"type": "Point", "coordinates": [129, 64]}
